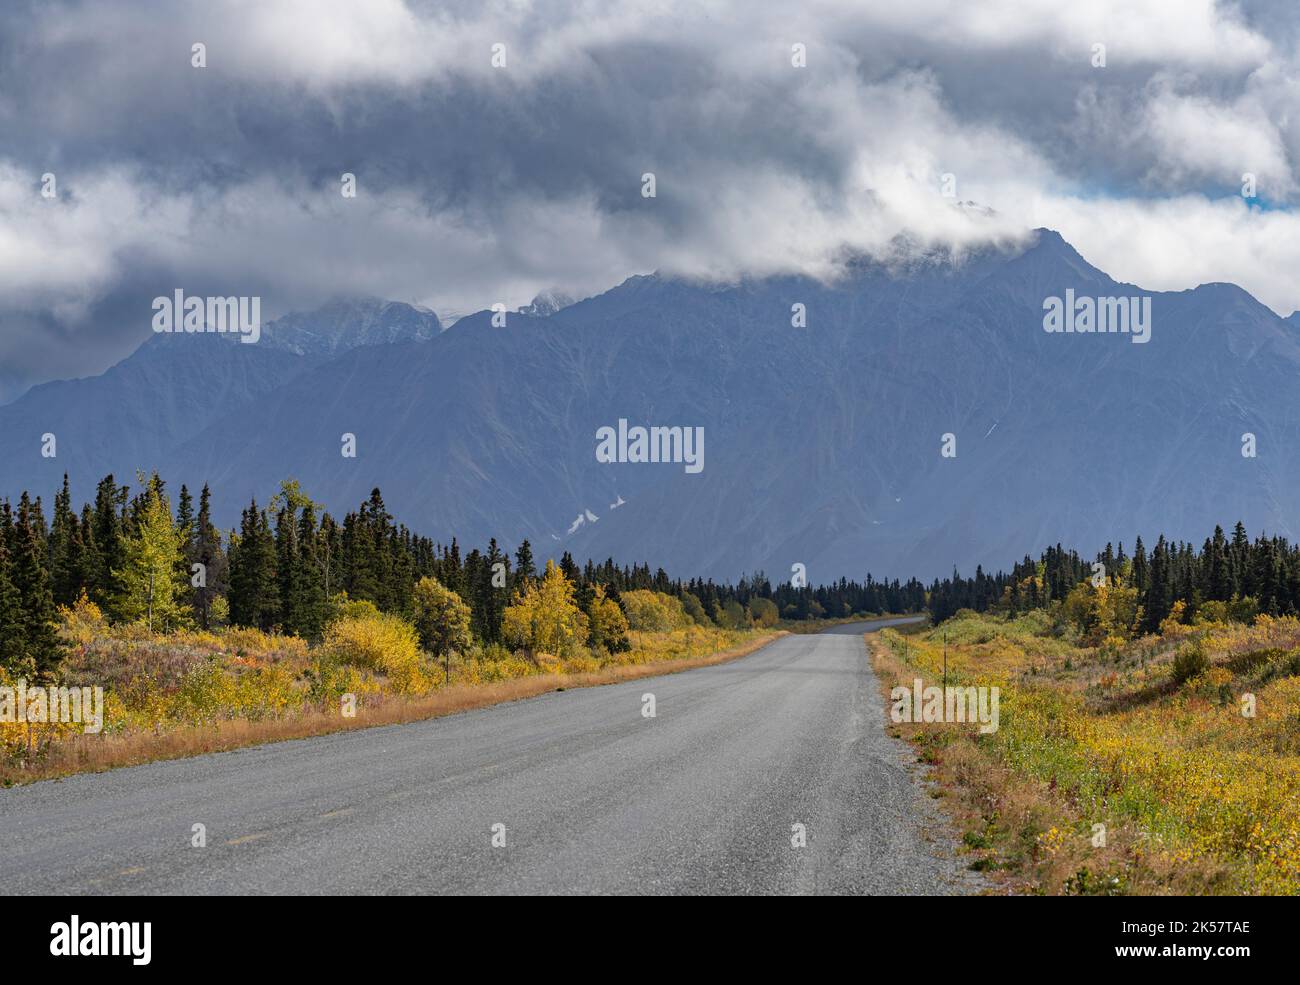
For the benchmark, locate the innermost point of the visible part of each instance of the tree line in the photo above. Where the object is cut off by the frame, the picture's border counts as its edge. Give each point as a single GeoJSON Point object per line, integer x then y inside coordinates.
{"type": "Point", "coordinates": [288, 562]}
{"type": "Point", "coordinates": [1227, 577]}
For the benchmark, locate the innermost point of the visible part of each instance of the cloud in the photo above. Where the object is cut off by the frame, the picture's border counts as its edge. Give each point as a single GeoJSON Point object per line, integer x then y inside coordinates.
{"type": "Point", "coordinates": [1196, 139]}
{"type": "Point", "coordinates": [1172, 244]}
{"type": "Point", "coordinates": [480, 184]}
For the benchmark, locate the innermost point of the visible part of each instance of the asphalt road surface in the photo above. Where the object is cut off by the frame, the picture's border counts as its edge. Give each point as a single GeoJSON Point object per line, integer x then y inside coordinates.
{"type": "Point", "coordinates": [594, 797]}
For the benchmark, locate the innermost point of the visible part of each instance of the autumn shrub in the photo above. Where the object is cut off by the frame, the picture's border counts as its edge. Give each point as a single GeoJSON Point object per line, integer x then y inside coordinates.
{"type": "Point", "coordinates": [653, 612]}
{"type": "Point", "coordinates": [213, 692]}
{"type": "Point", "coordinates": [380, 642]}
{"type": "Point", "coordinates": [219, 612]}
{"type": "Point", "coordinates": [504, 668]}
{"type": "Point", "coordinates": [732, 615]}
{"type": "Point", "coordinates": [694, 608]}
{"type": "Point", "coordinates": [129, 665]}
{"type": "Point", "coordinates": [608, 623]}
{"type": "Point", "coordinates": [544, 619]}
{"type": "Point", "coordinates": [763, 613]}
{"type": "Point", "coordinates": [17, 738]}
{"type": "Point", "coordinates": [246, 640]}
{"type": "Point", "coordinates": [1189, 661]}
{"type": "Point", "coordinates": [491, 652]}
{"type": "Point", "coordinates": [579, 663]}
{"type": "Point", "coordinates": [343, 607]}
{"type": "Point", "coordinates": [82, 622]}
{"type": "Point", "coordinates": [328, 678]}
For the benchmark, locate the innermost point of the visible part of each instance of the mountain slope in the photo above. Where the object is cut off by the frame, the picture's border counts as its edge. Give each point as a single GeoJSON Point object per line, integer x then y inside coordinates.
{"type": "Point", "coordinates": [822, 444]}
{"type": "Point", "coordinates": [136, 414]}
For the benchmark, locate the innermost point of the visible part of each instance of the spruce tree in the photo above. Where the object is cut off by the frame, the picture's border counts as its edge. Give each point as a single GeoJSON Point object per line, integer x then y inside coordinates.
{"type": "Point", "coordinates": [42, 648]}
{"type": "Point", "coordinates": [287, 571]}
{"type": "Point", "coordinates": [374, 553]}
{"type": "Point", "coordinates": [109, 541]}
{"type": "Point", "coordinates": [36, 520]}
{"type": "Point", "coordinates": [1239, 560]}
{"type": "Point", "coordinates": [206, 550]}
{"type": "Point", "coordinates": [1140, 572]}
{"type": "Point", "coordinates": [1159, 595]}
{"type": "Point", "coordinates": [91, 562]}
{"type": "Point", "coordinates": [525, 570]}
{"type": "Point", "coordinates": [453, 575]}
{"type": "Point", "coordinates": [473, 590]}
{"type": "Point", "coordinates": [185, 510]}
{"type": "Point", "coordinates": [254, 594]}
{"type": "Point", "coordinates": [490, 600]}
{"type": "Point", "coordinates": [13, 644]}
{"type": "Point", "coordinates": [329, 554]}
{"type": "Point", "coordinates": [401, 574]}
{"type": "Point", "coordinates": [65, 549]}
{"type": "Point", "coordinates": [1219, 581]}
{"type": "Point", "coordinates": [312, 604]}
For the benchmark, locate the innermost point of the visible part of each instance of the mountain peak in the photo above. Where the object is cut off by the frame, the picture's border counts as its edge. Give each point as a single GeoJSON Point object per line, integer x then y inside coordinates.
{"type": "Point", "coordinates": [548, 303]}
{"type": "Point", "coordinates": [1049, 264]}
{"type": "Point", "coordinates": [348, 322]}
{"type": "Point", "coordinates": [1050, 243]}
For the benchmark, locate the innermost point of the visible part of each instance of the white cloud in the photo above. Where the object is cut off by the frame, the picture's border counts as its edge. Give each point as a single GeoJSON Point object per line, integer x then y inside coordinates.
{"type": "Point", "coordinates": [1198, 139]}
{"type": "Point", "coordinates": [1179, 243]}
{"type": "Point", "coordinates": [62, 253]}
{"type": "Point", "coordinates": [1199, 32]}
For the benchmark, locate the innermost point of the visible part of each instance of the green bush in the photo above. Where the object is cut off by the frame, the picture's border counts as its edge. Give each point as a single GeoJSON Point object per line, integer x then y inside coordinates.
{"type": "Point", "coordinates": [1189, 661]}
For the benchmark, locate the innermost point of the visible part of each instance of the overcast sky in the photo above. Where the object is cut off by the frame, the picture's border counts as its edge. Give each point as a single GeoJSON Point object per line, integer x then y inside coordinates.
{"type": "Point", "coordinates": [478, 184]}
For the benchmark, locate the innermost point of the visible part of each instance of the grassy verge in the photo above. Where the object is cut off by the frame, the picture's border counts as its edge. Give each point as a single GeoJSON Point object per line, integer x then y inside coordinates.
{"type": "Point", "coordinates": [1128, 769]}
{"type": "Point", "coordinates": [129, 740]}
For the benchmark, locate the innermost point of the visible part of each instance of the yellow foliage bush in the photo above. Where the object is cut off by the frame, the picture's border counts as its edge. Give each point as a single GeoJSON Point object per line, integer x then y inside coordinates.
{"type": "Point", "coordinates": [328, 679]}
{"type": "Point", "coordinates": [1172, 626]}
{"type": "Point", "coordinates": [653, 612]}
{"type": "Point", "coordinates": [83, 621]}
{"type": "Point", "coordinates": [164, 682]}
{"type": "Point", "coordinates": [381, 642]}
{"type": "Point", "coordinates": [544, 619]}
{"type": "Point", "coordinates": [212, 692]}
{"type": "Point", "coordinates": [608, 623]}
{"type": "Point", "coordinates": [17, 737]}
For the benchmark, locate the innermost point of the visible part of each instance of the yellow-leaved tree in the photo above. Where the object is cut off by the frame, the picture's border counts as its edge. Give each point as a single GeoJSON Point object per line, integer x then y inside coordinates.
{"type": "Point", "coordinates": [1104, 612]}
{"type": "Point", "coordinates": [154, 585]}
{"type": "Point", "coordinates": [608, 624]}
{"type": "Point", "coordinates": [544, 618]}
{"type": "Point", "coordinates": [442, 619]}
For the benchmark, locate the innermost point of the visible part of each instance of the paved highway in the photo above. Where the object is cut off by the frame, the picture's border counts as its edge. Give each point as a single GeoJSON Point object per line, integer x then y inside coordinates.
{"type": "Point", "coordinates": [587, 794]}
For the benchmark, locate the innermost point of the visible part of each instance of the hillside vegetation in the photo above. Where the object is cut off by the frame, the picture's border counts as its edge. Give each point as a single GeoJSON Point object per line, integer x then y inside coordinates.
{"type": "Point", "coordinates": [191, 690]}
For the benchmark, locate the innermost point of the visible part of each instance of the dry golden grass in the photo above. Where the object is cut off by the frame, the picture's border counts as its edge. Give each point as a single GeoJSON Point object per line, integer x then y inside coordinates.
{"type": "Point", "coordinates": [1025, 833]}
{"type": "Point", "coordinates": [96, 753]}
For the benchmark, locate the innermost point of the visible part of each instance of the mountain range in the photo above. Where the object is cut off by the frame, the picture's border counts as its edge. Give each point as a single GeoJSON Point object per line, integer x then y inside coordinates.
{"type": "Point", "coordinates": [822, 442]}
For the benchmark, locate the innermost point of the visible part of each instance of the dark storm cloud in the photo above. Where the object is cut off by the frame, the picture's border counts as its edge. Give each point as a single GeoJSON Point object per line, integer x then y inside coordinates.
{"type": "Point", "coordinates": [479, 184]}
